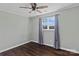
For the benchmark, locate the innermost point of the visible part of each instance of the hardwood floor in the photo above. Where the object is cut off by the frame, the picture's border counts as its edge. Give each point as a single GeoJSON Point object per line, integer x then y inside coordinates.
{"type": "Point", "coordinates": [35, 49]}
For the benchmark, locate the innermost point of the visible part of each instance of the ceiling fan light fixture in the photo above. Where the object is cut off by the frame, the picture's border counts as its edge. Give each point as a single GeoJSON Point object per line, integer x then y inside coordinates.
{"type": "Point", "coordinates": [35, 8]}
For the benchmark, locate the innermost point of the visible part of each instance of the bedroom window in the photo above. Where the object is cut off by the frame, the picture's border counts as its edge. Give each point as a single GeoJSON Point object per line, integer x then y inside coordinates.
{"type": "Point", "coordinates": [48, 23]}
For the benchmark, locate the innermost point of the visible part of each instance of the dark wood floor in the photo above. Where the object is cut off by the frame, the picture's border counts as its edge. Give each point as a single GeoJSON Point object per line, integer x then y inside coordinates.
{"type": "Point", "coordinates": [34, 49]}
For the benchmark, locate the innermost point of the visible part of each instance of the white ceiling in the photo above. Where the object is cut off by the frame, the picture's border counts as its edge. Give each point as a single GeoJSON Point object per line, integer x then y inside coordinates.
{"type": "Point", "coordinates": [14, 8]}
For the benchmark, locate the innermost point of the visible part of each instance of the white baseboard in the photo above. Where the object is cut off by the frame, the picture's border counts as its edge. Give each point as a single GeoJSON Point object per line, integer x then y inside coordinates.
{"type": "Point", "coordinates": [13, 46]}
{"type": "Point", "coordinates": [75, 51]}
{"type": "Point", "coordinates": [49, 45]}
{"type": "Point", "coordinates": [45, 44]}
{"type": "Point", "coordinates": [71, 50]}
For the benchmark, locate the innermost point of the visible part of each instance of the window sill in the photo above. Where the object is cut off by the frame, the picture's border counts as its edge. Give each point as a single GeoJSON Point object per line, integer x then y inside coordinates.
{"type": "Point", "coordinates": [48, 29]}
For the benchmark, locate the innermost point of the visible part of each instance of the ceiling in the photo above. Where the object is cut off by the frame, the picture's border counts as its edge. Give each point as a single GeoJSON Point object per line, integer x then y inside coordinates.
{"type": "Point", "coordinates": [14, 8]}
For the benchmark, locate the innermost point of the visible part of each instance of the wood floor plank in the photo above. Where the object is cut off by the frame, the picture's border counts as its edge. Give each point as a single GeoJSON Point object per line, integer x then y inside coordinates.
{"type": "Point", "coordinates": [35, 49]}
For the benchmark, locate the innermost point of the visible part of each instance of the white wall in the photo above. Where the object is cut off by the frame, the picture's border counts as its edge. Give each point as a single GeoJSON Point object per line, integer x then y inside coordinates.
{"type": "Point", "coordinates": [48, 37]}
{"type": "Point", "coordinates": [30, 29]}
{"type": "Point", "coordinates": [35, 29]}
{"type": "Point", "coordinates": [69, 28]}
{"type": "Point", "coordinates": [14, 30]}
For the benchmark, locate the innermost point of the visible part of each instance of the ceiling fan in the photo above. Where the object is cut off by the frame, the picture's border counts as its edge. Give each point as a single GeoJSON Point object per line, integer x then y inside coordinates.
{"type": "Point", "coordinates": [34, 7]}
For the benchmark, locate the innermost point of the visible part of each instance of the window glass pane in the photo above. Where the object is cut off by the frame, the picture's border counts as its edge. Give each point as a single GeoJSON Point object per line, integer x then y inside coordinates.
{"type": "Point", "coordinates": [51, 27]}
{"type": "Point", "coordinates": [48, 21]}
{"type": "Point", "coordinates": [44, 22]}
{"type": "Point", "coordinates": [51, 21]}
{"type": "Point", "coordinates": [44, 27]}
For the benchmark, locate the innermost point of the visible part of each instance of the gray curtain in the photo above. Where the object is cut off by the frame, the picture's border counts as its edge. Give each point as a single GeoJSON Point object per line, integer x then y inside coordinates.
{"type": "Point", "coordinates": [40, 32]}
{"type": "Point", "coordinates": [57, 36]}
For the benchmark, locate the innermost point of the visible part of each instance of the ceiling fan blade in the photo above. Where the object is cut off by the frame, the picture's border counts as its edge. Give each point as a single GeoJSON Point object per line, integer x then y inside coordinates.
{"type": "Point", "coordinates": [38, 11]}
{"type": "Point", "coordinates": [41, 7]}
{"type": "Point", "coordinates": [26, 7]}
